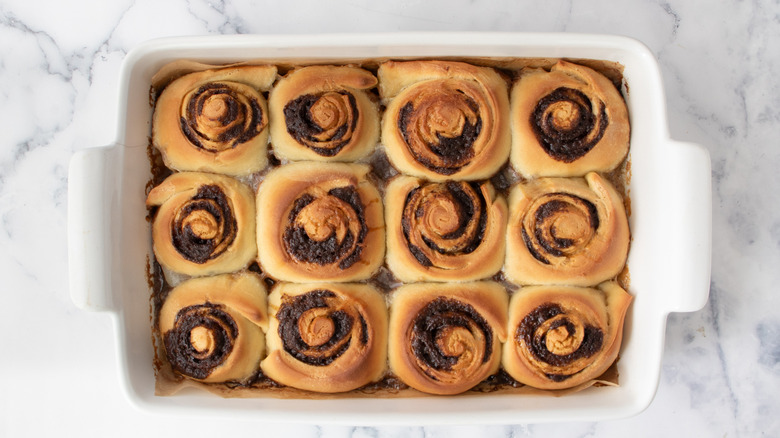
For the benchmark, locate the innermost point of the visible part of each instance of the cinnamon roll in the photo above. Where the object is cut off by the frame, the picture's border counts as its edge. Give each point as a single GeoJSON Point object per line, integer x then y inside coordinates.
{"type": "Point", "coordinates": [444, 120]}
{"type": "Point", "coordinates": [204, 224]}
{"type": "Point", "coordinates": [450, 231]}
{"type": "Point", "coordinates": [215, 120]}
{"type": "Point", "coordinates": [324, 113]}
{"type": "Point", "coordinates": [326, 337]}
{"type": "Point", "coordinates": [568, 121]}
{"type": "Point", "coordinates": [563, 336]}
{"type": "Point", "coordinates": [446, 338]}
{"type": "Point", "coordinates": [320, 222]}
{"type": "Point", "coordinates": [566, 231]}
{"type": "Point", "coordinates": [212, 327]}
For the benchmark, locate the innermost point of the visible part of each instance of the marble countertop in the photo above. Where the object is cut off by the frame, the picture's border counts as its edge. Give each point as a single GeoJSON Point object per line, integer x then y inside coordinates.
{"type": "Point", "coordinates": [59, 65]}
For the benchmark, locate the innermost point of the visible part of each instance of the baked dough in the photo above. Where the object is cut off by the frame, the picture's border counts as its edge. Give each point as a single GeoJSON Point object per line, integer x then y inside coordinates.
{"type": "Point", "coordinates": [320, 222]}
{"type": "Point", "coordinates": [568, 121]}
{"type": "Point", "coordinates": [205, 224]}
{"type": "Point", "coordinates": [446, 338]}
{"type": "Point", "coordinates": [326, 337]}
{"type": "Point", "coordinates": [324, 113]}
{"type": "Point", "coordinates": [215, 120]}
{"type": "Point", "coordinates": [444, 120]}
{"type": "Point", "coordinates": [450, 231]}
{"type": "Point", "coordinates": [563, 336]}
{"type": "Point", "coordinates": [566, 231]}
{"type": "Point", "coordinates": [212, 327]}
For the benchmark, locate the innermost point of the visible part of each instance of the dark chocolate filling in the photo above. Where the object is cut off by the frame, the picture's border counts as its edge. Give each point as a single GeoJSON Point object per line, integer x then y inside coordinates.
{"type": "Point", "coordinates": [455, 152]}
{"type": "Point", "coordinates": [539, 246]}
{"type": "Point", "coordinates": [247, 120]}
{"type": "Point", "coordinates": [211, 200]}
{"type": "Point", "coordinates": [526, 333]}
{"type": "Point", "coordinates": [568, 143]}
{"type": "Point", "coordinates": [330, 250]}
{"type": "Point", "coordinates": [469, 202]}
{"type": "Point", "coordinates": [184, 358]}
{"type": "Point", "coordinates": [290, 313]}
{"type": "Point", "coordinates": [440, 314]}
{"type": "Point", "coordinates": [297, 116]}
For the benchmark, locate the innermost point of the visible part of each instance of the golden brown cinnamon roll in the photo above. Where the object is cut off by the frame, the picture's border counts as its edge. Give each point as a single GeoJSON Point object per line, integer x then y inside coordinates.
{"type": "Point", "coordinates": [567, 122]}
{"type": "Point", "coordinates": [444, 120]}
{"type": "Point", "coordinates": [453, 230]}
{"type": "Point", "coordinates": [326, 337]}
{"type": "Point", "coordinates": [566, 231]}
{"type": "Point", "coordinates": [205, 224]}
{"type": "Point", "coordinates": [324, 113]}
{"type": "Point", "coordinates": [212, 327]}
{"type": "Point", "coordinates": [563, 336]}
{"type": "Point", "coordinates": [320, 222]}
{"type": "Point", "coordinates": [215, 120]}
{"type": "Point", "coordinates": [446, 338]}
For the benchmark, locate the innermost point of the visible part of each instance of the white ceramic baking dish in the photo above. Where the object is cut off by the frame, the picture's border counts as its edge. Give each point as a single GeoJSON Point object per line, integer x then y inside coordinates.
{"type": "Point", "coordinates": [669, 260]}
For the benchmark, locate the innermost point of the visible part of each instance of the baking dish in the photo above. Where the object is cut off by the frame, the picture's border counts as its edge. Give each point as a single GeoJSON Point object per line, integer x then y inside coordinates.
{"type": "Point", "coordinates": [669, 260]}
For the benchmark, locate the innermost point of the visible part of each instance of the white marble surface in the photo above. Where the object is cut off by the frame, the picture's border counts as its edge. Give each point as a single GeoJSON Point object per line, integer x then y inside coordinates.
{"type": "Point", "coordinates": [59, 64]}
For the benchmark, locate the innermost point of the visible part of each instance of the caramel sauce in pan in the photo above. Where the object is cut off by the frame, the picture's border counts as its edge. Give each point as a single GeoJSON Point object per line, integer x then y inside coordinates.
{"type": "Point", "coordinates": [381, 172]}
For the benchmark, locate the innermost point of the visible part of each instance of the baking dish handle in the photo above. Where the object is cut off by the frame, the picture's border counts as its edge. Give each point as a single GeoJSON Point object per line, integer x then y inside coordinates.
{"type": "Point", "coordinates": [690, 227]}
{"type": "Point", "coordinates": [92, 178]}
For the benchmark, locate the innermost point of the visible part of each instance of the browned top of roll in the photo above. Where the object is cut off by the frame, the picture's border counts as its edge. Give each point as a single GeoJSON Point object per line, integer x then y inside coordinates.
{"type": "Point", "coordinates": [321, 222]}
{"type": "Point", "coordinates": [567, 121]}
{"type": "Point", "coordinates": [324, 113]}
{"type": "Point", "coordinates": [214, 120]}
{"type": "Point", "coordinates": [444, 119]}
{"type": "Point", "coordinates": [564, 336]}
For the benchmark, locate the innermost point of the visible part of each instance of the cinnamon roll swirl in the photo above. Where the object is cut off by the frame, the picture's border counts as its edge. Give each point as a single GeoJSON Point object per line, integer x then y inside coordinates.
{"type": "Point", "coordinates": [324, 113]}
{"type": "Point", "coordinates": [567, 122]}
{"type": "Point", "coordinates": [566, 231]}
{"type": "Point", "coordinates": [215, 120]}
{"type": "Point", "coordinates": [444, 120]}
{"type": "Point", "coordinates": [450, 231]}
{"type": "Point", "coordinates": [212, 327]}
{"type": "Point", "coordinates": [204, 224]}
{"type": "Point", "coordinates": [326, 337]}
{"type": "Point", "coordinates": [446, 338]}
{"type": "Point", "coordinates": [320, 222]}
{"type": "Point", "coordinates": [563, 336]}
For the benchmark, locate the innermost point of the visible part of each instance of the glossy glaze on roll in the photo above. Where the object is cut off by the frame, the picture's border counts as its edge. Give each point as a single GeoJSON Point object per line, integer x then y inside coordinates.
{"type": "Point", "coordinates": [212, 327]}
{"type": "Point", "coordinates": [320, 222]}
{"type": "Point", "coordinates": [324, 113]}
{"type": "Point", "coordinates": [451, 231]}
{"type": "Point", "coordinates": [446, 338]}
{"type": "Point", "coordinates": [204, 224]}
{"type": "Point", "coordinates": [566, 231]}
{"type": "Point", "coordinates": [215, 120]}
{"type": "Point", "coordinates": [564, 336]}
{"type": "Point", "coordinates": [568, 121]}
{"type": "Point", "coordinates": [326, 337]}
{"type": "Point", "coordinates": [444, 120]}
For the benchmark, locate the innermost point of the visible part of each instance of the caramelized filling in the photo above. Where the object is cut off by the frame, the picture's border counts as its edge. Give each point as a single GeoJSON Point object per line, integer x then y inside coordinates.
{"type": "Point", "coordinates": [573, 341]}
{"type": "Point", "coordinates": [217, 117]}
{"type": "Point", "coordinates": [201, 340]}
{"type": "Point", "coordinates": [448, 218]}
{"type": "Point", "coordinates": [314, 330]}
{"type": "Point", "coordinates": [565, 124]}
{"type": "Point", "coordinates": [322, 122]}
{"type": "Point", "coordinates": [348, 229]}
{"type": "Point", "coordinates": [441, 130]}
{"type": "Point", "coordinates": [204, 227]}
{"type": "Point", "coordinates": [561, 223]}
{"type": "Point", "coordinates": [434, 321]}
